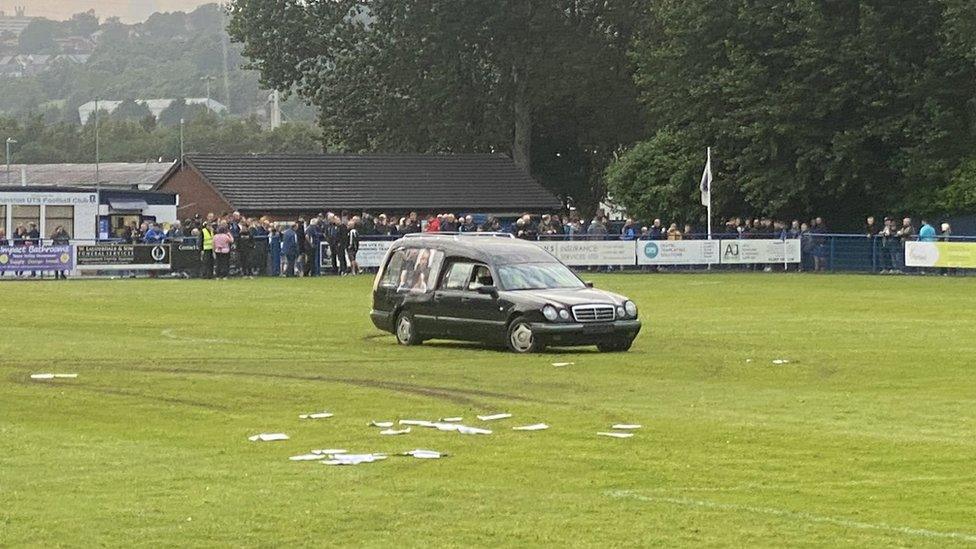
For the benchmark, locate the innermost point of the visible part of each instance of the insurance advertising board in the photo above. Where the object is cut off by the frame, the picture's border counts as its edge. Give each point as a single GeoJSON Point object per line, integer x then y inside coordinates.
{"type": "Point", "coordinates": [36, 258]}
{"type": "Point", "coordinates": [123, 257]}
{"type": "Point", "coordinates": [591, 252]}
{"type": "Point", "coordinates": [954, 255]}
{"type": "Point", "coordinates": [746, 251]}
{"type": "Point", "coordinates": [677, 252]}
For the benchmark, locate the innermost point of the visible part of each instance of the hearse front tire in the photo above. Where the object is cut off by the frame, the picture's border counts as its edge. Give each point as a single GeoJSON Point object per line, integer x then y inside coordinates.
{"type": "Point", "coordinates": [521, 338]}
{"type": "Point", "coordinates": [405, 330]}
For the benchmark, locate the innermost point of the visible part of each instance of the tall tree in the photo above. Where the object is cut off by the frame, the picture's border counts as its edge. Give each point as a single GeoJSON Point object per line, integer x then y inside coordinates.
{"type": "Point", "coordinates": [547, 82]}
{"type": "Point", "coordinates": [838, 107]}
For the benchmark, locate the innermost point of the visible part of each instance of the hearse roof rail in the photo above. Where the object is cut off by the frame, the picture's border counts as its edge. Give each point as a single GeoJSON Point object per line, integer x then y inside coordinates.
{"type": "Point", "coordinates": [458, 236]}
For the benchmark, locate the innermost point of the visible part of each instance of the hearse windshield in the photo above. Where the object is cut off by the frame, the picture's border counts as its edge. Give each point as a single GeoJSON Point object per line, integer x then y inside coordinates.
{"type": "Point", "coordinates": [537, 276]}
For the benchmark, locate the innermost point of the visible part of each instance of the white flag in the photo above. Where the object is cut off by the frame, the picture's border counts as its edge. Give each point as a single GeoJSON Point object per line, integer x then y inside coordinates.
{"type": "Point", "coordinates": [706, 181]}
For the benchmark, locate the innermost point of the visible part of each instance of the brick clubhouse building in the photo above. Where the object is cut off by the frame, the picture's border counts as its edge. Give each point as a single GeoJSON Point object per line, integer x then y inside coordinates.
{"type": "Point", "coordinates": [286, 186]}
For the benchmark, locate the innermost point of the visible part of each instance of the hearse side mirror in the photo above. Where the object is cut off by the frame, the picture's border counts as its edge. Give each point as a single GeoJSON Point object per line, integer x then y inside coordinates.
{"type": "Point", "coordinates": [588, 284]}
{"type": "Point", "coordinates": [488, 290]}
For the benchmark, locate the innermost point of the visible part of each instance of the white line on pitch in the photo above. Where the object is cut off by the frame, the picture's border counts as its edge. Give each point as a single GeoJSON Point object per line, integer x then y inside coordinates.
{"type": "Point", "coordinates": [797, 515]}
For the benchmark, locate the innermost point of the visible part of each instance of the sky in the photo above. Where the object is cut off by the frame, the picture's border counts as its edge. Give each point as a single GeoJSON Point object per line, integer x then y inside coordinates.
{"type": "Point", "coordinates": [130, 11]}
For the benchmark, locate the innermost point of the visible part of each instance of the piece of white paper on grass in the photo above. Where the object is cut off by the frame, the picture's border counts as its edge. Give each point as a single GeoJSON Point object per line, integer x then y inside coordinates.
{"type": "Point", "coordinates": [533, 427]}
{"type": "Point", "coordinates": [626, 426]}
{"type": "Point", "coordinates": [53, 376]}
{"type": "Point", "coordinates": [329, 451]}
{"type": "Point", "coordinates": [440, 426]}
{"type": "Point", "coordinates": [383, 424]}
{"type": "Point", "coordinates": [781, 361]}
{"type": "Point", "coordinates": [417, 422]}
{"type": "Point", "coordinates": [268, 437]}
{"type": "Point", "coordinates": [465, 430]}
{"type": "Point", "coordinates": [493, 417]}
{"type": "Point", "coordinates": [562, 364]}
{"type": "Point", "coordinates": [308, 457]}
{"type": "Point", "coordinates": [424, 454]}
{"type": "Point", "coordinates": [316, 415]}
{"type": "Point", "coordinates": [395, 432]}
{"type": "Point", "coordinates": [353, 459]}
{"type": "Point", "coordinates": [616, 435]}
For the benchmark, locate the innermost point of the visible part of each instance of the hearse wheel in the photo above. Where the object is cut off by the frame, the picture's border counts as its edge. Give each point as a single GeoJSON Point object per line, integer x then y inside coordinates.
{"type": "Point", "coordinates": [521, 339]}
{"type": "Point", "coordinates": [406, 330]}
{"type": "Point", "coordinates": [615, 345]}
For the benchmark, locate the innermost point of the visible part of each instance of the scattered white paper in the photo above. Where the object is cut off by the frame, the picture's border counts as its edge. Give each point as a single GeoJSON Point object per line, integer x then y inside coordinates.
{"type": "Point", "coordinates": [308, 457]}
{"type": "Point", "coordinates": [451, 419]}
{"type": "Point", "coordinates": [65, 376]}
{"type": "Point", "coordinates": [493, 417]}
{"type": "Point", "coordinates": [329, 451]}
{"type": "Point", "coordinates": [533, 427]}
{"type": "Point", "coordinates": [781, 361]}
{"type": "Point", "coordinates": [53, 376]}
{"type": "Point", "coordinates": [353, 459]}
{"type": "Point", "coordinates": [417, 422]}
{"type": "Point", "coordinates": [561, 364]}
{"type": "Point", "coordinates": [383, 424]}
{"type": "Point", "coordinates": [316, 415]}
{"type": "Point", "coordinates": [616, 435]}
{"type": "Point", "coordinates": [395, 432]}
{"type": "Point", "coordinates": [626, 426]}
{"type": "Point", "coordinates": [268, 437]}
{"type": "Point", "coordinates": [446, 426]}
{"type": "Point", "coordinates": [424, 454]}
{"type": "Point", "coordinates": [748, 360]}
{"type": "Point", "coordinates": [465, 430]}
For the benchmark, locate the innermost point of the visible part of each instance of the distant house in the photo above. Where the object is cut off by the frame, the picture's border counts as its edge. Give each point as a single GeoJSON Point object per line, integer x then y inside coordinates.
{"type": "Point", "coordinates": [284, 186]}
{"type": "Point", "coordinates": [14, 24]}
{"type": "Point", "coordinates": [155, 106]}
{"type": "Point", "coordinates": [29, 64]}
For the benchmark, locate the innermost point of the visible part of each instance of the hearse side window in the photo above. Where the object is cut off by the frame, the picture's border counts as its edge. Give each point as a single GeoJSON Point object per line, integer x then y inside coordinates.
{"type": "Point", "coordinates": [480, 277]}
{"type": "Point", "coordinates": [457, 276]}
{"type": "Point", "coordinates": [419, 269]}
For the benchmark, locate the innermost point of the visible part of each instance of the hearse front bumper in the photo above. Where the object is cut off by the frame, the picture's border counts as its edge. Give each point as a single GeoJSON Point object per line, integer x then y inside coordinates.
{"type": "Point", "coordinates": [584, 333]}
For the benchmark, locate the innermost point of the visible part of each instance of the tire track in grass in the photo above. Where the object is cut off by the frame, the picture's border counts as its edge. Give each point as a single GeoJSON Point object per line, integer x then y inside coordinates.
{"type": "Point", "coordinates": [796, 516]}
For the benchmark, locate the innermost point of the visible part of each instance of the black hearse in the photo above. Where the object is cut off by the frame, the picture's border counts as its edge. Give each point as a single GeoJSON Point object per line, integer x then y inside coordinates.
{"type": "Point", "coordinates": [493, 288]}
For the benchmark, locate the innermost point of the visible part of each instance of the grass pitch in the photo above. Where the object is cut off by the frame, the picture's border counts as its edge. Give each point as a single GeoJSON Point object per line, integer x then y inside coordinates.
{"type": "Point", "coordinates": [865, 438]}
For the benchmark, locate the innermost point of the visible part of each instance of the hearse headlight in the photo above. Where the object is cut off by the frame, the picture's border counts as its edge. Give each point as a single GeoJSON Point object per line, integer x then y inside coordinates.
{"type": "Point", "coordinates": [550, 313]}
{"type": "Point", "coordinates": [620, 311]}
{"type": "Point", "coordinates": [564, 314]}
{"type": "Point", "coordinates": [631, 308]}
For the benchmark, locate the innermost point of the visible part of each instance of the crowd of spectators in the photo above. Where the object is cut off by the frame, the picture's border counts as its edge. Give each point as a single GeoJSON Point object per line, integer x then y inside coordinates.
{"type": "Point", "coordinates": [233, 244]}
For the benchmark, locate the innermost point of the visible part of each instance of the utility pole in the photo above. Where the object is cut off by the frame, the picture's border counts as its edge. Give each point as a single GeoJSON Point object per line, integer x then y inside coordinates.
{"type": "Point", "coordinates": [98, 178]}
{"type": "Point", "coordinates": [10, 141]}
{"type": "Point", "coordinates": [181, 143]}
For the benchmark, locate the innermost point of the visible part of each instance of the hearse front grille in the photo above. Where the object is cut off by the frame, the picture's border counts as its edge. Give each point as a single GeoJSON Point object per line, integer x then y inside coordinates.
{"type": "Point", "coordinates": [593, 313]}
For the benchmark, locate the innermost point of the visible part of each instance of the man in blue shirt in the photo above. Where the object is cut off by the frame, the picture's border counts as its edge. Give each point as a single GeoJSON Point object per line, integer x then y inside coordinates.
{"type": "Point", "coordinates": [154, 235]}
{"type": "Point", "coordinates": [289, 248]}
{"type": "Point", "coordinates": [927, 232]}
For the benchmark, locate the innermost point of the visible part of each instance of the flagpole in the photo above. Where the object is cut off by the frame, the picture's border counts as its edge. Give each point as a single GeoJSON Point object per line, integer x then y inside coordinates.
{"type": "Point", "coordinates": [710, 196]}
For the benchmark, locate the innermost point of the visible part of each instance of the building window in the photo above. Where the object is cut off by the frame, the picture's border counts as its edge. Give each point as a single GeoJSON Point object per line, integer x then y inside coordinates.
{"type": "Point", "coordinates": [25, 215]}
{"type": "Point", "coordinates": [59, 215]}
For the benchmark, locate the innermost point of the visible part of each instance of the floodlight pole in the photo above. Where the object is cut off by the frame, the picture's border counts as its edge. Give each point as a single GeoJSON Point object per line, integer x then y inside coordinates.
{"type": "Point", "coordinates": [98, 179]}
{"type": "Point", "coordinates": [10, 141]}
{"type": "Point", "coordinates": [181, 143]}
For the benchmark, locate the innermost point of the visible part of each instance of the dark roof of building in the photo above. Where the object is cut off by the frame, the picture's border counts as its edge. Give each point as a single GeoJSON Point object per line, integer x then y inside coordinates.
{"type": "Point", "coordinates": [467, 182]}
